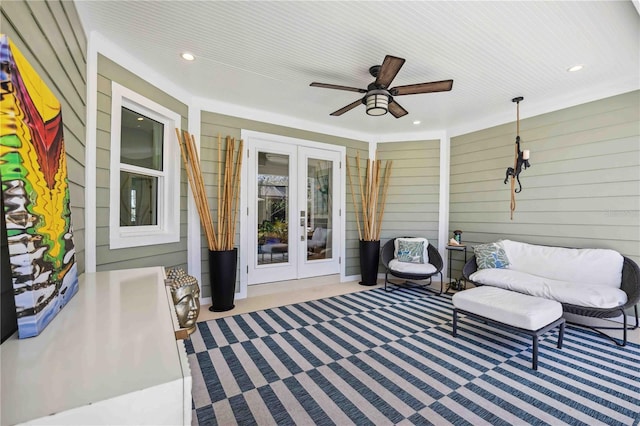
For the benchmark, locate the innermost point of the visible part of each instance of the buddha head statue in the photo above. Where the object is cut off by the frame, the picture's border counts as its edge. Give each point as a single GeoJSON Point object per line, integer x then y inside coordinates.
{"type": "Point", "coordinates": [185, 293]}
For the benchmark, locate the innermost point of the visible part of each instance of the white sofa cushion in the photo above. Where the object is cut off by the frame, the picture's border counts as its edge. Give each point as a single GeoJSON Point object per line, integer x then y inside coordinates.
{"type": "Point", "coordinates": [598, 267]}
{"type": "Point", "coordinates": [508, 307]}
{"type": "Point", "coordinates": [575, 293]}
{"type": "Point", "coordinates": [412, 268]}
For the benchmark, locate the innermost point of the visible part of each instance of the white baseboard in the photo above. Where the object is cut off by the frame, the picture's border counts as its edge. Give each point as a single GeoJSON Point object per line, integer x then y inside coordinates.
{"type": "Point", "coordinates": [275, 287]}
{"type": "Point", "coordinates": [350, 278]}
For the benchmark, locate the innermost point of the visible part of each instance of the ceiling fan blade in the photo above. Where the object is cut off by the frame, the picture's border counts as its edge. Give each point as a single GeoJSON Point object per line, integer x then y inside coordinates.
{"type": "Point", "coordinates": [397, 110]}
{"type": "Point", "coordinates": [414, 89]}
{"type": "Point", "coordinates": [335, 86]}
{"type": "Point", "coordinates": [347, 108]}
{"type": "Point", "coordinates": [388, 70]}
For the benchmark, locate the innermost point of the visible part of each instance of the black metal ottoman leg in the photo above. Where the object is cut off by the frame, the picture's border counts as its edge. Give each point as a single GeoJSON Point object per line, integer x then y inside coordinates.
{"type": "Point", "coordinates": [535, 353]}
{"type": "Point", "coordinates": [624, 328]}
{"type": "Point", "coordinates": [561, 335]}
{"type": "Point", "coordinates": [454, 332]}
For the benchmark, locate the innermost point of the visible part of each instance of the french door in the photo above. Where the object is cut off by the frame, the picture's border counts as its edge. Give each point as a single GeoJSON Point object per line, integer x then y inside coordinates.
{"type": "Point", "coordinates": [294, 229]}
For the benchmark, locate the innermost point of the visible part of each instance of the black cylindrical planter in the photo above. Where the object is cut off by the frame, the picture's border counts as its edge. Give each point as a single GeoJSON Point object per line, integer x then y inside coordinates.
{"type": "Point", "coordinates": [222, 275]}
{"type": "Point", "coordinates": [369, 259]}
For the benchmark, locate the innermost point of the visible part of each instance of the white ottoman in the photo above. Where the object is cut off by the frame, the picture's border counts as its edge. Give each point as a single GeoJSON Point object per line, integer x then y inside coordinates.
{"type": "Point", "coordinates": [514, 311]}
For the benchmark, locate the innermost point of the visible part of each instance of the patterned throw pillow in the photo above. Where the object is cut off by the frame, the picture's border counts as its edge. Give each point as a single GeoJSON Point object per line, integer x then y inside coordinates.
{"type": "Point", "coordinates": [424, 241]}
{"type": "Point", "coordinates": [491, 255]}
{"type": "Point", "coordinates": [411, 251]}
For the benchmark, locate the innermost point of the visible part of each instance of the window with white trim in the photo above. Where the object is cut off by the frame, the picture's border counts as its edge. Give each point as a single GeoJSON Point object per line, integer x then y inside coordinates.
{"type": "Point", "coordinates": [144, 204]}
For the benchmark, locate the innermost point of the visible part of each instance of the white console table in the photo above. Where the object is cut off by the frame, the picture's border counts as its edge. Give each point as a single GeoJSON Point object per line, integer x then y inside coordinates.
{"type": "Point", "coordinates": [109, 357]}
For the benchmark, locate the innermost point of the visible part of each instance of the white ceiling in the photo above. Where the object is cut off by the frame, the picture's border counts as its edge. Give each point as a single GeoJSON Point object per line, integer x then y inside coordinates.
{"type": "Point", "coordinates": [261, 56]}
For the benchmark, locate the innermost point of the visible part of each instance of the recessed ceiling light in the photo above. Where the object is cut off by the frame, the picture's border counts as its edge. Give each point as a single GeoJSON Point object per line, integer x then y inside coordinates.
{"type": "Point", "coordinates": [188, 56]}
{"type": "Point", "coordinates": [575, 68]}
{"type": "Point", "coordinates": [416, 122]}
{"type": "Point", "coordinates": [140, 118]}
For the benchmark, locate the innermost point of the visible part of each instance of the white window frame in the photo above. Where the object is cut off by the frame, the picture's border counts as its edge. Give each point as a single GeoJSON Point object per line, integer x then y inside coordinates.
{"type": "Point", "coordinates": [168, 228]}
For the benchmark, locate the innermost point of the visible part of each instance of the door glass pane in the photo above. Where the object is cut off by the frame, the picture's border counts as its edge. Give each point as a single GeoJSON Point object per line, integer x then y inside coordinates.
{"type": "Point", "coordinates": [138, 199]}
{"type": "Point", "coordinates": [273, 212]}
{"type": "Point", "coordinates": [319, 209]}
{"type": "Point", "coordinates": [141, 140]}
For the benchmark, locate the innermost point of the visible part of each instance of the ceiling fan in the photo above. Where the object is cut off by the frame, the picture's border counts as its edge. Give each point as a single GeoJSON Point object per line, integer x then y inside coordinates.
{"type": "Point", "coordinates": [378, 98]}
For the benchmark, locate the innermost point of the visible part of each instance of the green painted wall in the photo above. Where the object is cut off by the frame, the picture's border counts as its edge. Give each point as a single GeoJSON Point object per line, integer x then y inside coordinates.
{"type": "Point", "coordinates": [168, 255]}
{"type": "Point", "coordinates": [414, 189]}
{"type": "Point", "coordinates": [50, 36]}
{"type": "Point", "coordinates": [582, 189]}
{"type": "Point", "coordinates": [412, 207]}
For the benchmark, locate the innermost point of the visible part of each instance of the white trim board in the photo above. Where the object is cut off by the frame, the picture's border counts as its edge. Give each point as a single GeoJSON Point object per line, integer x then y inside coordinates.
{"type": "Point", "coordinates": [194, 253]}
{"type": "Point", "coordinates": [214, 106]}
{"type": "Point", "coordinates": [90, 230]}
{"type": "Point", "coordinates": [532, 107]}
{"type": "Point", "coordinates": [443, 202]}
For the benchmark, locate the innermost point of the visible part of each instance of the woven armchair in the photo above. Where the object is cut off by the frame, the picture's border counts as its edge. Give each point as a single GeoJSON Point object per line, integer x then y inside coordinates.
{"type": "Point", "coordinates": [387, 254]}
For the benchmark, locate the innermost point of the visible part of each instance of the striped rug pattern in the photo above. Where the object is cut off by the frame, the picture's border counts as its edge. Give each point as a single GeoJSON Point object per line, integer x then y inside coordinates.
{"type": "Point", "coordinates": [376, 358]}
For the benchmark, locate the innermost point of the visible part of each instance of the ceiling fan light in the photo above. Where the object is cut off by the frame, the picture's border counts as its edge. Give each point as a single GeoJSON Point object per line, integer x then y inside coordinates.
{"type": "Point", "coordinates": [377, 104]}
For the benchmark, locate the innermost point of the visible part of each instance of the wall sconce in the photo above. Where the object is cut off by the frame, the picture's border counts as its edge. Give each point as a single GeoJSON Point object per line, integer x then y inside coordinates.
{"type": "Point", "coordinates": [521, 160]}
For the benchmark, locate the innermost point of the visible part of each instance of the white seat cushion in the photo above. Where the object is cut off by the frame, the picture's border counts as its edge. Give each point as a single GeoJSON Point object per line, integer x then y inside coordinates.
{"type": "Point", "coordinates": [508, 307]}
{"type": "Point", "coordinates": [585, 266]}
{"type": "Point", "coordinates": [575, 293]}
{"type": "Point", "coordinates": [412, 268]}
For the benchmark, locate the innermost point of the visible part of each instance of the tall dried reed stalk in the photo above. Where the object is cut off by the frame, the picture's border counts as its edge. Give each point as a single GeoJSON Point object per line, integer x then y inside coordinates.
{"type": "Point", "coordinates": [373, 197]}
{"type": "Point", "coordinates": [221, 234]}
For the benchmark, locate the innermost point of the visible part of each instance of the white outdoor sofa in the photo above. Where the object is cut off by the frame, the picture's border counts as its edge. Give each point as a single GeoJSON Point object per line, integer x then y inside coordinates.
{"type": "Point", "coordinates": [597, 283]}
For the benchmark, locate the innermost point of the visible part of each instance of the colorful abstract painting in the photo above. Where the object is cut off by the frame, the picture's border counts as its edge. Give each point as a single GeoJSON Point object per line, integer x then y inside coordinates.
{"type": "Point", "coordinates": [35, 191]}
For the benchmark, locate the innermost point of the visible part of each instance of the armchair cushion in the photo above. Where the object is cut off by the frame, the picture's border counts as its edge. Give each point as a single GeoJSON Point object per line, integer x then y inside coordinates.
{"type": "Point", "coordinates": [396, 265]}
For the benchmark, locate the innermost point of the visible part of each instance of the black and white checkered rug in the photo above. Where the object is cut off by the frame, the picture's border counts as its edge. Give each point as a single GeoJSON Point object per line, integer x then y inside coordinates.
{"type": "Point", "coordinates": [389, 358]}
